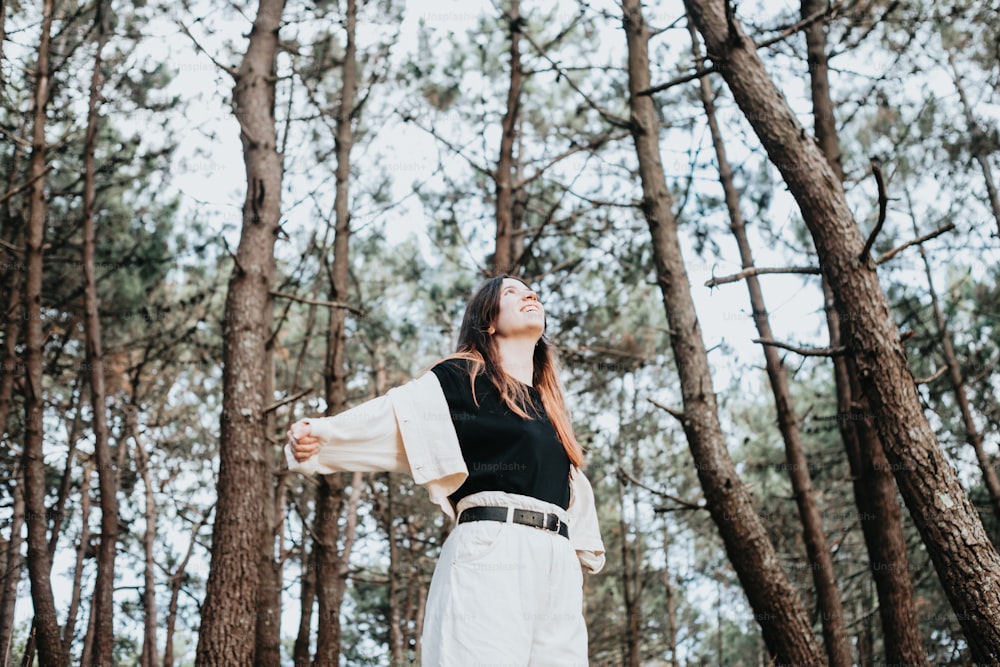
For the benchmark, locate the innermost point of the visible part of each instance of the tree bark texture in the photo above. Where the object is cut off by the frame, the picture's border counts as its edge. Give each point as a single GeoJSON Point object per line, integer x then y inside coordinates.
{"type": "Point", "coordinates": [243, 509]}
{"type": "Point", "coordinates": [874, 487]}
{"type": "Point", "coordinates": [150, 653]}
{"type": "Point", "coordinates": [966, 561]}
{"type": "Point", "coordinates": [47, 635]}
{"type": "Point", "coordinates": [102, 604]}
{"type": "Point", "coordinates": [331, 562]}
{"type": "Point", "coordinates": [503, 257]}
{"type": "Point", "coordinates": [12, 569]}
{"type": "Point", "coordinates": [972, 433]}
{"type": "Point", "coordinates": [831, 610]}
{"type": "Point", "coordinates": [776, 606]}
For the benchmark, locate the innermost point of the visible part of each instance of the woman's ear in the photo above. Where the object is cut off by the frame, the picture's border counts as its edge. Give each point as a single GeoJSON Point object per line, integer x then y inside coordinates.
{"type": "Point", "coordinates": [491, 331]}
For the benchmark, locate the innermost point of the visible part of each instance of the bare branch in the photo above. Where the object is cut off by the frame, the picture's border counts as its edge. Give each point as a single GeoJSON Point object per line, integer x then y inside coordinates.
{"type": "Point", "coordinates": [804, 351]}
{"type": "Point", "coordinates": [760, 271]}
{"type": "Point", "coordinates": [883, 202]}
{"type": "Point", "coordinates": [232, 71]}
{"type": "Point", "coordinates": [288, 399]}
{"type": "Point", "coordinates": [917, 241]}
{"type": "Point", "coordinates": [624, 474]}
{"type": "Point", "coordinates": [315, 302]}
{"type": "Point", "coordinates": [611, 118]}
{"type": "Point", "coordinates": [697, 74]}
{"type": "Point", "coordinates": [829, 12]}
{"type": "Point", "coordinates": [673, 412]}
{"type": "Point", "coordinates": [927, 380]}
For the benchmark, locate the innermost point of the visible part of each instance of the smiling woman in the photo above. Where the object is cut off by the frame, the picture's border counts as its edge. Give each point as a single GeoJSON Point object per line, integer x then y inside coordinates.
{"type": "Point", "coordinates": [487, 433]}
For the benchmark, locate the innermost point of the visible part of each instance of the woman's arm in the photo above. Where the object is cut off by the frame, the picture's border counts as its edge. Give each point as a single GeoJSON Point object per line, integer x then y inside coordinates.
{"type": "Point", "coordinates": [408, 430]}
{"type": "Point", "coordinates": [365, 438]}
{"type": "Point", "coordinates": [584, 530]}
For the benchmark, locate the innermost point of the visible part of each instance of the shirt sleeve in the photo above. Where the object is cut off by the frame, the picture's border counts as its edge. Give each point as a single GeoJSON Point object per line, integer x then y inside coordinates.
{"type": "Point", "coordinates": [365, 438]}
{"type": "Point", "coordinates": [408, 430]}
{"type": "Point", "coordinates": [584, 529]}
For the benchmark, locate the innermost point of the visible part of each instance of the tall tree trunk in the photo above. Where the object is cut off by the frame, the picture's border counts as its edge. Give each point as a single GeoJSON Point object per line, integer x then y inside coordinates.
{"type": "Point", "coordinates": [330, 561]}
{"type": "Point", "coordinates": [49, 640]}
{"type": "Point", "coordinates": [503, 255]}
{"type": "Point", "coordinates": [874, 487]}
{"type": "Point", "coordinates": [775, 604]}
{"type": "Point", "coordinates": [12, 569]}
{"type": "Point", "coordinates": [10, 367]}
{"type": "Point", "coordinates": [243, 510]}
{"type": "Point", "coordinates": [102, 604]}
{"type": "Point", "coordinates": [831, 610]}
{"type": "Point", "coordinates": [972, 434]}
{"type": "Point", "coordinates": [150, 653]}
{"type": "Point", "coordinates": [965, 560]}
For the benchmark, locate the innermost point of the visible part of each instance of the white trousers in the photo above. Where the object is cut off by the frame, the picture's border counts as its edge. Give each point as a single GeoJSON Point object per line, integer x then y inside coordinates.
{"type": "Point", "coordinates": [505, 594]}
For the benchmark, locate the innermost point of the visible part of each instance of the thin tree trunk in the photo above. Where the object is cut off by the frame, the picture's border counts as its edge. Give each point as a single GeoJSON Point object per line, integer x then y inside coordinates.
{"type": "Point", "coordinates": [976, 135]}
{"type": "Point", "coordinates": [671, 604]}
{"type": "Point", "coordinates": [49, 640]}
{"type": "Point", "coordinates": [874, 487]}
{"type": "Point", "coordinates": [502, 256]}
{"type": "Point", "coordinates": [395, 563]}
{"type": "Point", "coordinates": [268, 650]}
{"type": "Point", "coordinates": [776, 605]}
{"type": "Point", "coordinates": [331, 565]}
{"type": "Point", "coordinates": [150, 652]}
{"type": "Point", "coordinates": [831, 610]}
{"type": "Point", "coordinates": [972, 434]}
{"type": "Point", "coordinates": [57, 512]}
{"type": "Point", "coordinates": [243, 510]}
{"type": "Point", "coordinates": [12, 569]}
{"type": "Point", "coordinates": [102, 604]}
{"type": "Point", "coordinates": [174, 583]}
{"type": "Point", "coordinates": [88, 642]}
{"type": "Point", "coordinates": [12, 330]}
{"type": "Point", "coordinates": [81, 550]}
{"type": "Point", "coordinates": [307, 598]}
{"type": "Point", "coordinates": [630, 639]}
{"type": "Point", "coordinates": [966, 561]}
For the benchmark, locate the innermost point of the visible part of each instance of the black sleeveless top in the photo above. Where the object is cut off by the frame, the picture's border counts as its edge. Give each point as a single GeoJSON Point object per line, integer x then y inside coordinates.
{"type": "Point", "coordinates": [504, 452]}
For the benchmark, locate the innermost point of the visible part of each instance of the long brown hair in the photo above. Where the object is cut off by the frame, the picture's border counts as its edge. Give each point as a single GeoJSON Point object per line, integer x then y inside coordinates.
{"type": "Point", "coordinates": [477, 345]}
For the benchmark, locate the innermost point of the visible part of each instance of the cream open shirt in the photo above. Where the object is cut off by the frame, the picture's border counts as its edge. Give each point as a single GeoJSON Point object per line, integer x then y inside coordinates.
{"type": "Point", "coordinates": [410, 430]}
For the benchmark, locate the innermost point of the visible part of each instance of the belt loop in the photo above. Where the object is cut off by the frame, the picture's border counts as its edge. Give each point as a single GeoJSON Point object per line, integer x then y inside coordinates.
{"type": "Point", "coordinates": [510, 514]}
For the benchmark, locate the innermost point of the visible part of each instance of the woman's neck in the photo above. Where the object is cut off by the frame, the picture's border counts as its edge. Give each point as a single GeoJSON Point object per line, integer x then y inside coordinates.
{"type": "Point", "coordinates": [517, 358]}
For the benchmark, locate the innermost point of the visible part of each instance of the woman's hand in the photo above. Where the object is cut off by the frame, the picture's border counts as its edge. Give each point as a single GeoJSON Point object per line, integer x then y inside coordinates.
{"type": "Point", "coordinates": [303, 443]}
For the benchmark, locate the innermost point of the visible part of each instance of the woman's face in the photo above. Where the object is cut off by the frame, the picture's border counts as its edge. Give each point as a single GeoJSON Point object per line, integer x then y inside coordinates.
{"type": "Point", "coordinates": [521, 313]}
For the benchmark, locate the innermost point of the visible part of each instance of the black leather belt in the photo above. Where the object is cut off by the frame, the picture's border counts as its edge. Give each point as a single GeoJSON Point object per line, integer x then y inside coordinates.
{"type": "Point", "coordinates": [543, 520]}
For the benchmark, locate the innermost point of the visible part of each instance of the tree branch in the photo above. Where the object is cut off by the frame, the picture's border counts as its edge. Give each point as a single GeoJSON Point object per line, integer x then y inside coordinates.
{"type": "Point", "coordinates": [673, 412]}
{"type": "Point", "coordinates": [288, 399]}
{"type": "Point", "coordinates": [624, 474]}
{"type": "Point", "coordinates": [830, 12]}
{"type": "Point", "coordinates": [883, 202]}
{"type": "Point", "coordinates": [611, 118]}
{"type": "Point", "coordinates": [231, 71]}
{"type": "Point", "coordinates": [927, 380]}
{"type": "Point", "coordinates": [917, 241]}
{"type": "Point", "coordinates": [804, 351]}
{"type": "Point", "coordinates": [760, 271]}
{"type": "Point", "coordinates": [315, 302]}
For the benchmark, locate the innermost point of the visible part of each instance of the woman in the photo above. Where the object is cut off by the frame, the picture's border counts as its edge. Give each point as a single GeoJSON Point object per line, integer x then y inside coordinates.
{"type": "Point", "coordinates": [487, 433]}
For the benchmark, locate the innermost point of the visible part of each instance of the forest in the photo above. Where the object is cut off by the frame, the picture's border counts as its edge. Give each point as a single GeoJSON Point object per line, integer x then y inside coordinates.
{"type": "Point", "coordinates": [767, 238]}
